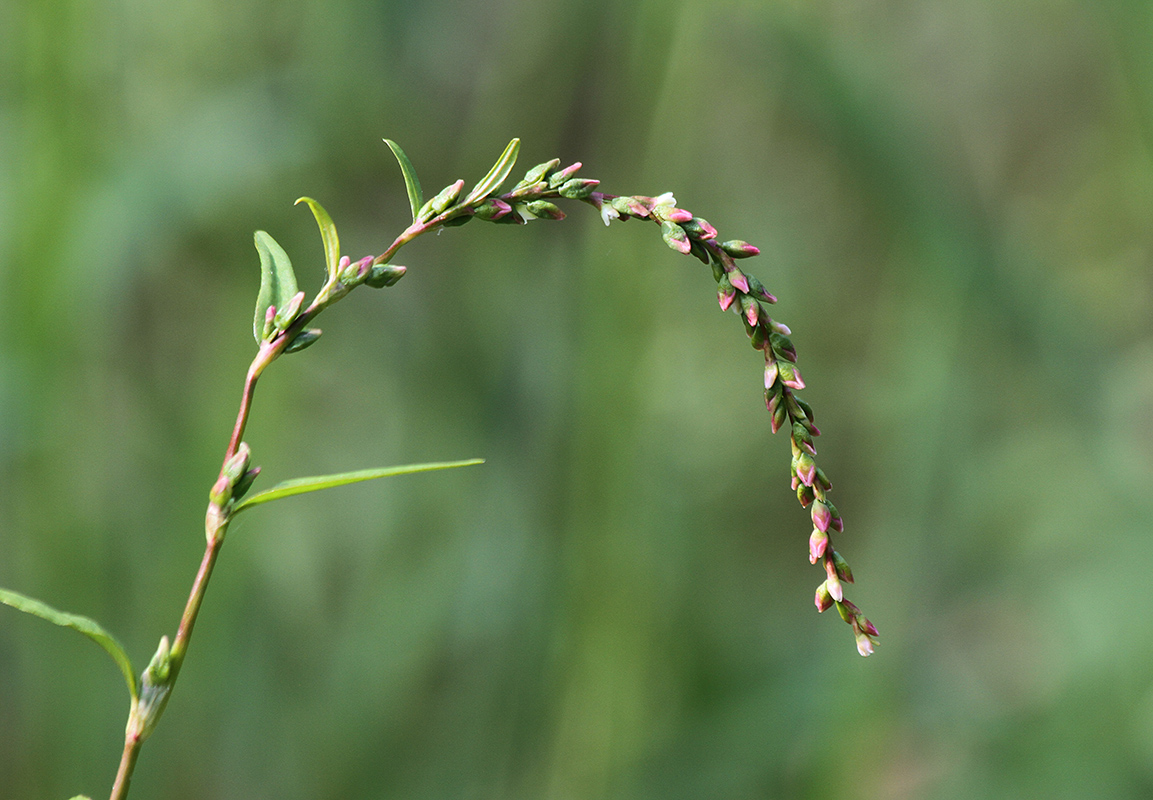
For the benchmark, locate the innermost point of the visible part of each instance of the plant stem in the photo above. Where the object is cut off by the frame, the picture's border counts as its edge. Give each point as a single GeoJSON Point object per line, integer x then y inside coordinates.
{"type": "Point", "coordinates": [216, 523]}
{"type": "Point", "coordinates": [127, 764]}
{"type": "Point", "coordinates": [215, 528]}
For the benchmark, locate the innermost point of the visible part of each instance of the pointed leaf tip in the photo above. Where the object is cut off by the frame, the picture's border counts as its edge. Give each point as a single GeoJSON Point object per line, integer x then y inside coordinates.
{"type": "Point", "coordinates": [315, 484]}
{"type": "Point", "coordinates": [327, 234]}
{"type": "Point", "coordinates": [411, 182]}
{"type": "Point", "coordinates": [496, 176]}
{"type": "Point", "coordinates": [89, 627]}
{"type": "Point", "coordinates": [277, 281]}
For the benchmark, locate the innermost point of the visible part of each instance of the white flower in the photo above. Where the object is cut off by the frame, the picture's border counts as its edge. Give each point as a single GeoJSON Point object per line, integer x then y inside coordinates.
{"type": "Point", "coordinates": [665, 199]}
{"type": "Point", "coordinates": [608, 213]}
{"type": "Point", "coordinates": [525, 214]}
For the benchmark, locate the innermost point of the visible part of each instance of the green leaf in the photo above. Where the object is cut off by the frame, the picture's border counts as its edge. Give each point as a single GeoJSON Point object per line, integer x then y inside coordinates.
{"type": "Point", "coordinates": [327, 233]}
{"type": "Point", "coordinates": [304, 485]}
{"type": "Point", "coordinates": [277, 280]}
{"type": "Point", "coordinates": [496, 175]}
{"type": "Point", "coordinates": [88, 627]}
{"type": "Point", "coordinates": [411, 183]}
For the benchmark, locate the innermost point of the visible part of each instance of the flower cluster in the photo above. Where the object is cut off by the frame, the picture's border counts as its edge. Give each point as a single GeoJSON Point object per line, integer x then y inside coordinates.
{"type": "Point", "coordinates": [743, 294]}
{"type": "Point", "coordinates": [737, 291]}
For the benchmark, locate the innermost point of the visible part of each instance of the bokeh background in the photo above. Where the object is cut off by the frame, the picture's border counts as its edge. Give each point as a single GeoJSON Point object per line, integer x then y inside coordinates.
{"type": "Point", "coordinates": [953, 201]}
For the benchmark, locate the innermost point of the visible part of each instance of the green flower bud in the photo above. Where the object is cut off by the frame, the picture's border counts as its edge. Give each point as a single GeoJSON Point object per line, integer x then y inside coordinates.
{"type": "Point", "coordinates": [629, 206]}
{"type": "Point", "coordinates": [235, 466]}
{"type": "Point", "coordinates": [739, 249]}
{"type": "Point", "coordinates": [562, 176]}
{"type": "Point", "coordinates": [757, 290]}
{"type": "Point", "coordinates": [698, 228]}
{"type": "Point", "coordinates": [544, 209]}
{"type": "Point", "coordinates": [385, 275]}
{"type": "Point", "coordinates": [304, 339]}
{"type": "Point", "coordinates": [779, 415]}
{"type": "Point", "coordinates": [578, 188]}
{"type": "Point", "coordinates": [245, 483]}
{"type": "Point", "coordinates": [444, 198]}
{"type": "Point", "coordinates": [791, 376]}
{"type": "Point", "coordinates": [157, 670]}
{"type": "Point", "coordinates": [805, 407]}
{"type": "Point", "coordinates": [842, 568]}
{"type": "Point", "coordinates": [804, 495]}
{"type": "Point", "coordinates": [845, 611]}
{"type": "Point", "coordinates": [699, 250]}
{"type": "Point", "coordinates": [492, 209]}
{"type": "Point", "coordinates": [221, 492]}
{"type": "Point", "coordinates": [759, 338]}
{"type": "Point", "coordinates": [675, 237]}
{"type": "Point", "coordinates": [538, 172]}
{"type": "Point", "coordinates": [824, 600]}
{"type": "Point", "coordinates": [783, 347]}
{"type": "Point", "coordinates": [803, 438]}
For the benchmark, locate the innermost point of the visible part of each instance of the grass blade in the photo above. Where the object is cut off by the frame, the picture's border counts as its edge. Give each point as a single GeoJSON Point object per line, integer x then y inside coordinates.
{"type": "Point", "coordinates": [305, 485]}
{"type": "Point", "coordinates": [89, 627]}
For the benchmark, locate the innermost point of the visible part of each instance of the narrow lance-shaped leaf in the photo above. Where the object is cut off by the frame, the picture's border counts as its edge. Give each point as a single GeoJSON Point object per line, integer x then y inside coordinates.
{"type": "Point", "coordinates": [496, 175]}
{"type": "Point", "coordinates": [411, 183]}
{"type": "Point", "coordinates": [89, 627]}
{"type": "Point", "coordinates": [305, 485]}
{"type": "Point", "coordinates": [277, 280]}
{"type": "Point", "coordinates": [327, 233]}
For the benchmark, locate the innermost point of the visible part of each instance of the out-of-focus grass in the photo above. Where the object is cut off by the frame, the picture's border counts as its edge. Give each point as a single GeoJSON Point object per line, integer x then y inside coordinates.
{"type": "Point", "coordinates": [952, 200]}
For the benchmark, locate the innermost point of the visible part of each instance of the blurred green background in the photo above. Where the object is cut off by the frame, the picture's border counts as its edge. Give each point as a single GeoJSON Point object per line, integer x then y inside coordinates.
{"type": "Point", "coordinates": [953, 201]}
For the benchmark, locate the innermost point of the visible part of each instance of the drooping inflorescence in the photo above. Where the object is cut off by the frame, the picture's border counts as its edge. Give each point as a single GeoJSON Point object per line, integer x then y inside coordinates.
{"type": "Point", "coordinates": [532, 198]}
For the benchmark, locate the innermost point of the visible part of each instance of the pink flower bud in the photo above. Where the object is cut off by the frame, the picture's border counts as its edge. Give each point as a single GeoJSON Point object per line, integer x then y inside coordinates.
{"type": "Point", "coordinates": [701, 229]}
{"type": "Point", "coordinates": [562, 176]}
{"type": "Point", "coordinates": [806, 469]}
{"type": "Point", "coordinates": [770, 370]}
{"type": "Point", "coordinates": [725, 296]}
{"type": "Point", "coordinates": [739, 249]}
{"type": "Point", "coordinates": [835, 590]}
{"type": "Point", "coordinates": [737, 278]}
{"type": "Point", "coordinates": [818, 541]}
{"type": "Point", "coordinates": [821, 516]}
{"type": "Point", "coordinates": [791, 376]}
{"type": "Point", "coordinates": [751, 308]}
{"type": "Point", "coordinates": [675, 237]}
